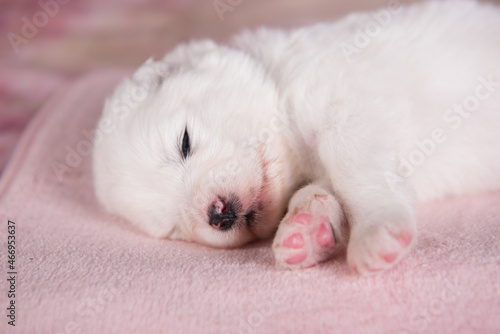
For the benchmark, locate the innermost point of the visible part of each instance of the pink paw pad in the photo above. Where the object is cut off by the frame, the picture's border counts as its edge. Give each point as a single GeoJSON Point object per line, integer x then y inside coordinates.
{"type": "Point", "coordinates": [406, 238]}
{"type": "Point", "coordinates": [303, 218]}
{"type": "Point", "coordinates": [324, 237]}
{"type": "Point", "coordinates": [297, 258]}
{"type": "Point", "coordinates": [295, 241]}
{"type": "Point", "coordinates": [305, 236]}
{"type": "Point", "coordinates": [390, 257]}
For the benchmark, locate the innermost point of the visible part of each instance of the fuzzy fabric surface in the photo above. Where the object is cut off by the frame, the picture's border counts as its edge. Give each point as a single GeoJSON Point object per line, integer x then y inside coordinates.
{"type": "Point", "coordinates": [79, 270]}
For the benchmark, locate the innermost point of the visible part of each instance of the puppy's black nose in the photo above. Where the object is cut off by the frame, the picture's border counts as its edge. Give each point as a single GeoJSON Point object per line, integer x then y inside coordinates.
{"type": "Point", "coordinates": [222, 214]}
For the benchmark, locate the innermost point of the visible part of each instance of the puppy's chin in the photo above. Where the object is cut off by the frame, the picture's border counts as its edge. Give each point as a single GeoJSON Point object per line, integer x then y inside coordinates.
{"type": "Point", "coordinates": [262, 228]}
{"type": "Point", "coordinates": [228, 239]}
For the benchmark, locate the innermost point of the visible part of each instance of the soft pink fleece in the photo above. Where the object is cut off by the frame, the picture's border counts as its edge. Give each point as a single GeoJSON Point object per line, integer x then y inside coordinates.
{"type": "Point", "coordinates": [82, 271]}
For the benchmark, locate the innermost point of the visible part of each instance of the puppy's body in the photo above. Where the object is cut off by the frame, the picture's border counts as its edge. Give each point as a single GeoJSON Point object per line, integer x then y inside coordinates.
{"type": "Point", "coordinates": [415, 109]}
{"type": "Point", "coordinates": [406, 83]}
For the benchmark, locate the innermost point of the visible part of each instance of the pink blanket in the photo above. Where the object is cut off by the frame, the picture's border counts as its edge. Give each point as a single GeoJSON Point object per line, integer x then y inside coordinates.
{"type": "Point", "coordinates": [79, 270]}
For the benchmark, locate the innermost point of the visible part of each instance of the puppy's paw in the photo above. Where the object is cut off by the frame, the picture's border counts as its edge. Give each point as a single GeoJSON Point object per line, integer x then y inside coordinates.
{"type": "Point", "coordinates": [311, 232]}
{"type": "Point", "coordinates": [378, 247]}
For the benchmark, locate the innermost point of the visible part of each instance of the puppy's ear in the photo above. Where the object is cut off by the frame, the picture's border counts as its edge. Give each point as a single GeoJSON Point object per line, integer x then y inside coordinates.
{"type": "Point", "coordinates": [146, 80]}
{"type": "Point", "coordinates": [197, 54]}
{"type": "Point", "coordinates": [151, 74]}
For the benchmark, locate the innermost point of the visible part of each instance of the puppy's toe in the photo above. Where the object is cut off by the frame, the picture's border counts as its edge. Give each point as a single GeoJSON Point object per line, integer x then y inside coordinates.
{"type": "Point", "coordinates": [379, 247]}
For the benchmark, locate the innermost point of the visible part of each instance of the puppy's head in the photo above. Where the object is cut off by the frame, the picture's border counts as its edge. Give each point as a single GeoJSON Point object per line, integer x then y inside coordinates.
{"type": "Point", "coordinates": [192, 149]}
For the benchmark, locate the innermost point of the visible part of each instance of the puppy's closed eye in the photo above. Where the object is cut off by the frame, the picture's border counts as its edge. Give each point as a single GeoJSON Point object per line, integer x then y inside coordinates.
{"type": "Point", "coordinates": [185, 146]}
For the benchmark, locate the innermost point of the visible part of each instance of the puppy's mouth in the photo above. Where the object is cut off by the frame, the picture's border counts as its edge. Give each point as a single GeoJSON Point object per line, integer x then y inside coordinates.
{"type": "Point", "coordinates": [250, 218]}
{"type": "Point", "coordinates": [254, 211]}
{"type": "Point", "coordinates": [259, 204]}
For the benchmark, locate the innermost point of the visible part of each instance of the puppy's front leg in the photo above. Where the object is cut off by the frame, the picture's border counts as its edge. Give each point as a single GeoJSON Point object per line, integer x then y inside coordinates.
{"type": "Point", "coordinates": [313, 230]}
{"type": "Point", "coordinates": [380, 211]}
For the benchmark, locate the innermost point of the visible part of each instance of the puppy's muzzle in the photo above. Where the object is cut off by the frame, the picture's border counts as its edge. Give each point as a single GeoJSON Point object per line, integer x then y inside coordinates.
{"type": "Point", "coordinates": [222, 214]}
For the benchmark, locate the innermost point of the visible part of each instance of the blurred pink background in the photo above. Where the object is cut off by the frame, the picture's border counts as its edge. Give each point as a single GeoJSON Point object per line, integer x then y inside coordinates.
{"type": "Point", "coordinates": [45, 43]}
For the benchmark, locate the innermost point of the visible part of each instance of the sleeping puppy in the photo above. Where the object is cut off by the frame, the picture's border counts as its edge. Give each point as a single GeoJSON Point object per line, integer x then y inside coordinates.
{"type": "Point", "coordinates": [324, 135]}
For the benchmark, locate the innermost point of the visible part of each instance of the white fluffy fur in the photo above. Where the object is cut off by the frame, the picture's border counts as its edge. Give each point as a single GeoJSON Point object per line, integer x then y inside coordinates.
{"type": "Point", "coordinates": [278, 109]}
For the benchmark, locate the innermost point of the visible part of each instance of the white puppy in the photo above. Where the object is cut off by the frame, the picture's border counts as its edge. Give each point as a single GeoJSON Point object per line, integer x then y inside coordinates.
{"type": "Point", "coordinates": [341, 125]}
